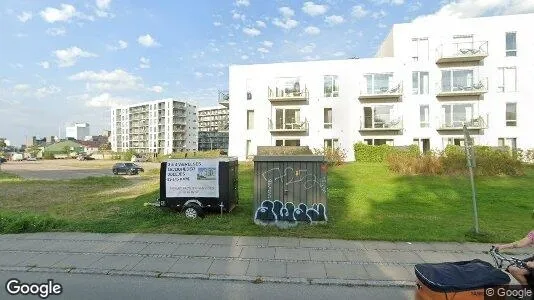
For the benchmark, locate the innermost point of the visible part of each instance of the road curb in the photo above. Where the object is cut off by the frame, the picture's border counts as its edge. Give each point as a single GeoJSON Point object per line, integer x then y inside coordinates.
{"type": "Point", "coordinates": [237, 278]}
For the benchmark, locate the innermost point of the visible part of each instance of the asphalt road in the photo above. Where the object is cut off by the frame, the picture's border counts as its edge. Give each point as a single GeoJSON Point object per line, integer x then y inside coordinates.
{"type": "Point", "coordinates": [82, 286]}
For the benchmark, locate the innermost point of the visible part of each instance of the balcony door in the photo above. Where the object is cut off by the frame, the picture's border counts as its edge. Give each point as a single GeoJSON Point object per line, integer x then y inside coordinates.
{"type": "Point", "coordinates": [455, 115]}
{"type": "Point", "coordinates": [380, 116]}
{"type": "Point", "coordinates": [456, 80]}
{"type": "Point", "coordinates": [287, 118]}
{"type": "Point", "coordinates": [378, 83]}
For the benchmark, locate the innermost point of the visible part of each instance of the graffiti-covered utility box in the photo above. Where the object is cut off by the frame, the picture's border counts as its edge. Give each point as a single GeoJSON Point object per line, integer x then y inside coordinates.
{"type": "Point", "coordinates": [196, 185]}
{"type": "Point", "coordinates": [289, 190]}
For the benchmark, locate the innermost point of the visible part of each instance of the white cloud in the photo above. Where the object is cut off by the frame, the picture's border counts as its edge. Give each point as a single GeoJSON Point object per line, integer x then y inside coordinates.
{"type": "Point", "coordinates": [313, 9]}
{"type": "Point", "coordinates": [238, 16]}
{"type": "Point", "coordinates": [56, 31]}
{"type": "Point", "coordinates": [156, 89]}
{"type": "Point", "coordinates": [379, 14]}
{"type": "Point", "coordinates": [263, 50]}
{"type": "Point", "coordinates": [308, 48]}
{"type": "Point", "coordinates": [312, 30]}
{"type": "Point", "coordinates": [391, 2]}
{"type": "Point", "coordinates": [242, 3]}
{"type": "Point", "coordinates": [358, 11]}
{"type": "Point", "coordinates": [103, 4]}
{"type": "Point", "coordinates": [21, 87]}
{"type": "Point", "coordinates": [117, 79]}
{"type": "Point", "coordinates": [251, 31]}
{"type": "Point", "coordinates": [286, 24]}
{"type": "Point", "coordinates": [46, 91]}
{"type": "Point", "coordinates": [261, 24]}
{"type": "Point", "coordinates": [217, 24]}
{"type": "Point", "coordinates": [218, 66]}
{"type": "Point", "coordinates": [144, 63]}
{"type": "Point", "coordinates": [147, 41]}
{"type": "Point", "coordinates": [309, 57]}
{"type": "Point", "coordinates": [25, 16]}
{"type": "Point", "coordinates": [286, 12]}
{"type": "Point", "coordinates": [244, 57]}
{"type": "Point", "coordinates": [397, 2]}
{"type": "Point", "coordinates": [268, 44]}
{"type": "Point", "coordinates": [44, 64]}
{"type": "Point", "coordinates": [382, 25]}
{"type": "Point", "coordinates": [106, 100]}
{"type": "Point", "coordinates": [415, 6]}
{"type": "Point", "coordinates": [52, 15]}
{"type": "Point", "coordinates": [334, 20]}
{"type": "Point", "coordinates": [339, 53]}
{"type": "Point", "coordinates": [479, 8]}
{"type": "Point", "coordinates": [68, 57]}
{"type": "Point", "coordinates": [120, 46]}
{"type": "Point", "coordinates": [198, 74]}
{"type": "Point", "coordinates": [21, 35]}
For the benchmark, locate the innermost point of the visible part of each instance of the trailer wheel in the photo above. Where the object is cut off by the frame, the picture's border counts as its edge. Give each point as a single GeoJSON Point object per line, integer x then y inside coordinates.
{"type": "Point", "coordinates": [193, 211]}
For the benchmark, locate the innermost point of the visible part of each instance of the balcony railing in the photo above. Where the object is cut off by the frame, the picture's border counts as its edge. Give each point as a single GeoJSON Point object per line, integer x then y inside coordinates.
{"type": "Point", "coordinates": [391, 91]}
{"type": "Point", "coordinates": [287, 94]}
{"type": "Point", "coordinates": [224, 98]}
{"type": "Point", "coordinates": [297, 126]}
{"type": "Point", "coordinates": [462, 52]}
{"type": "Point", "coordinates": [476, 87]}
{"type": "Point", "coordinates": [376, 124]}
{"type": "Point", "coordinates": [479, 122]}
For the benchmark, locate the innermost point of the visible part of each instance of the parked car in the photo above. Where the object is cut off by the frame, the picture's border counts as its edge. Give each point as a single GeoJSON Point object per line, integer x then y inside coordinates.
{"type": "Point", "coordinates": [126, 168]}
{"type": "Point", "coordinates": [3, 160]}
{"type": "Point", "coordinates": [85, 157]}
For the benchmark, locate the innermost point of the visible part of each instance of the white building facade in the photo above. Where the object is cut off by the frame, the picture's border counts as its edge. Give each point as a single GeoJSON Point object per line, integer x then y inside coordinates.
{"type": "Point", "coordinates": [162, 126]}
{"type": "Point", "coordinates": [77, 131]}
{"type": "Point", "coordinates": [426, 81]}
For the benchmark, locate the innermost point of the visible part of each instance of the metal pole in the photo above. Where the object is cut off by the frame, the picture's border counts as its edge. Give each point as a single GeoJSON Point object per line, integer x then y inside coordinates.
{"type": "Point", "coordinates": [470, 153]}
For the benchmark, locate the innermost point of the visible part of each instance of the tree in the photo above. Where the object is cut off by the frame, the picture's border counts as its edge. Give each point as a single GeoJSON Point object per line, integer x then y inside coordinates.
{"type": "Point", "coordinates": [33, 150]}
{"type": "Point", "coordinates": [2, 144]}
{"type": "Point", "coordinates": [66, 150]}
{"type": "Point", "coordinates": [105, 147]}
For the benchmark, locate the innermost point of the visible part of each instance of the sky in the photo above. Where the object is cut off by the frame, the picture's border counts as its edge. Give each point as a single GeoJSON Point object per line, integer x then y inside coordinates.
{"type": "Point", "coordinates": [71, 60]}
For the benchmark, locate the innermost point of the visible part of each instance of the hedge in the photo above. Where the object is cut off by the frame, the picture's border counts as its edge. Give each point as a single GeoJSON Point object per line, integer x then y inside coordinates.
{"type": "Point", "coordinates": [369, 153]}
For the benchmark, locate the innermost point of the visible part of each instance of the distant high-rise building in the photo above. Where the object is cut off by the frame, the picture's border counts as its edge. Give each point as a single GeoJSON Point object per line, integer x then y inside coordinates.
{"type": "Point", "coordinates": [77, 131]}
{"type": "Point", "coordinates": [213, 127]}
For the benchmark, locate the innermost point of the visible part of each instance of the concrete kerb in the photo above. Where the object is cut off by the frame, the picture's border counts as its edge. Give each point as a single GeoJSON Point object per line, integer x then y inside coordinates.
{"type": "Point", "coordinates": [243, 278]}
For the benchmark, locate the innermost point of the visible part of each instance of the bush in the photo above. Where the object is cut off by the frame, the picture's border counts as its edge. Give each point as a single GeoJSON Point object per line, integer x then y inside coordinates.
{"type": "Point", "coordinates": [333, 156]}
{"type": "Point", "coordinates": [48, 155]}
{"type": "Point", "coordinates": [369, 153]}
{"type": "Point", "coordinates": [409, 164]}
{"type": "Point", "coordinates": [127, 156]}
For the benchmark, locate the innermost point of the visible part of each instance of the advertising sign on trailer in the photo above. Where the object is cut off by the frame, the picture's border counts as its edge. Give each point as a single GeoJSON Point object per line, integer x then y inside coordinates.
{"type": "Point", "coordinates": [192, 178]}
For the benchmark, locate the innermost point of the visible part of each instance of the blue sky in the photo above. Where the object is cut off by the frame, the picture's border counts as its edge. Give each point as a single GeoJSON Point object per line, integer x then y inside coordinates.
{"type": "Point", "coordinates": [68, 61]}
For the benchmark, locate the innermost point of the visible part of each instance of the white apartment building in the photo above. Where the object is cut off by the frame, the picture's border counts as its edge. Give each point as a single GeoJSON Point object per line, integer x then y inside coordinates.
{"type": "Point", "coordinates": [426, 81]}
{"type": "Point", "coordinates": [162, 126]}
{"type": "Point", "coordinates": [77, 131]}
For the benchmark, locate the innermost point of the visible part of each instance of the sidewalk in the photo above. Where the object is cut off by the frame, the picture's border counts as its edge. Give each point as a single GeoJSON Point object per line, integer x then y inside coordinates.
{"type": "Point", "coordinates": [255, 259]}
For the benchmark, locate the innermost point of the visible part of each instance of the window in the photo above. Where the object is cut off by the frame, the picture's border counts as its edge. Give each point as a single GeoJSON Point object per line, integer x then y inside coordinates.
{"type": "Point", "coordinates": [331, 143]}
{"type": "Point", "coordinates": [457, 80]}
{"type": "Point", "coordinates": [454, 141]}
{"type": "Point", "coordinates": [420, 83]}
{"type": "Point", "coordinates": [507, 77]}
{"type": "Point", "coordinates": [424, 116]}
{"type": "Point", "coordinates": [327, 118]}
{"type": "Point", "coordinates": [288, 119]}
{"type": "Point", "coordinates": [508, 142]}
{"type": "Point", "coordinates": [420, 49]}
{"type": "Point", "coordinates": [511, 114]}
{"type": "Point", "coordinates": [288, 143]}
{"type": "Point", "coordinates": [423, 144]}
{"type": "Point", "coordinates": [378, 83]}
{"type": "Point", "coordinates": [250, 119]}
{"type": "Point", "coordinates": [331, 86]}
{"type": "Point", "coordinates": [249, 89]}
{"type": "Point", "coordinates": [378, 142]}
{"type": "Point", "coordinates": [511, 45]}
{"type": "Point", "coordinates": [380, 116]}
{"type": "Point", "coordinates": [248, 148]}
{"type": "Point", "coordinates": [456, 115]}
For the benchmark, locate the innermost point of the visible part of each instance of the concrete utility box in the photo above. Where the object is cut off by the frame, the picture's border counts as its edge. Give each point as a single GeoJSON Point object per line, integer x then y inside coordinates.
{"type": "Point", "coordinates": [289, 190]}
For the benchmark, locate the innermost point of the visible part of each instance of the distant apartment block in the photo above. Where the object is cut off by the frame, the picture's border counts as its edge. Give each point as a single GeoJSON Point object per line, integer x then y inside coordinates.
{"type": "Point", "coordinates": [162, 126]}
{"type": "Point", "coordinates": [78, 131]}
{"type": "Point", "coordinates": [425, 83]}
{"type": "Point", "coordinates": [213, 124]}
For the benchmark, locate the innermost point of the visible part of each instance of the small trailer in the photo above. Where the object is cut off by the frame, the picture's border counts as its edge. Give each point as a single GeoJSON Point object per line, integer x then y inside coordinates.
{"type": "Point", "coordinates": [194, 186]}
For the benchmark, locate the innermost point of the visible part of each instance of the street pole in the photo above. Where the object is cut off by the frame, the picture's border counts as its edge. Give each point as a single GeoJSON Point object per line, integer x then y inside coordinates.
{"type": "Point", "coordinates": [470, 153]}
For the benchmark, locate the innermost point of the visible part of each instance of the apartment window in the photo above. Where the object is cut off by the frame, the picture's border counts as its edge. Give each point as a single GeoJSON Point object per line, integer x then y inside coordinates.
{"type": "Point", "coordinates": [457, 80]}
{"type": "Point", "coordinates": [288, 119]}
{"type": "Point", "coordinates": [327, 118]}
{"type": "Point", "coordinates": [250, 119]}
{"type": "Point", "coordinates": [420, 83]}
{"type": "Point", "coordinates": [456, 115]}
{"type": "Point", "coordinates": [331, 143]}
{"type": "Point", "coordinates": [508, 142]}
{"type": "Point", "coordinates": [454, 141]}
{"type": "Point", "coordinates": [423, 144]}
{"type": "Point", "coordinates": [249, 89]}
{"type": "Point", "coordinates": [248, 149]}
{"type": "Point", "coordinates": [511, 114]}
{"type": "Point", "coordinates": [331, 86]}
{"type": "Point", "coordinates": [420, 49]}
{"type": "Point", "coordinates": [424, 116]}
{"type": "Point", "coordinates": [378, 83]}
{"type": "Point", "coordinates": [507, 77]}
{"type": "Point", "coordinates": [511, 44]}
{"type": "Point", "coordinates": [378, 142]}
{"type": "Point", "coordinates": [288, 143]}
{"type": "Point", "coordinates": [380, 116]}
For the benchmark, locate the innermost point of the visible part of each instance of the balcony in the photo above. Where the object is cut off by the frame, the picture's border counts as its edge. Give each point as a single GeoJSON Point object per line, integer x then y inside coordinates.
{"type": "Point", "coordinates": [377, 124]}
{"type": "Point", "coordinates": [287, 94]}
{"type": "Point", "coordinates": [476, 123]}
{"type": "Point", "coordinates": [224, 98]}
{"type": "Point", "coordinates": [462, 52]}
{"type": "Point", "coordinates": [464, 87]}
{"type": "Point", "coordinates": [384, 92]}
{"type": "Point", "coordinates": [297, 127]}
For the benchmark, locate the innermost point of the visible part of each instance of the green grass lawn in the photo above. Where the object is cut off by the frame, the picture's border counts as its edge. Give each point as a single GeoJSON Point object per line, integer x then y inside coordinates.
{"type": "Point", "coordinates": [365, 201]}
